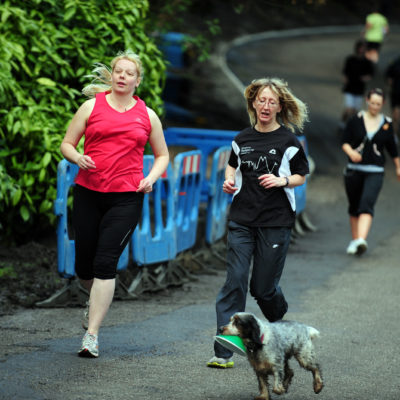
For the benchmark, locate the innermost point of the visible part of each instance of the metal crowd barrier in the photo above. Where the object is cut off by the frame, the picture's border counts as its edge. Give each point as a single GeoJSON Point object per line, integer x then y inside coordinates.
{"type": "Point", "coordinates": [218, 201]}
{"type": "Point", "coordinates": [188, 181]}
{"type": "Point", "coordinates": [154, 242]}
{"type": "Point", "coordinates": [206, 140]}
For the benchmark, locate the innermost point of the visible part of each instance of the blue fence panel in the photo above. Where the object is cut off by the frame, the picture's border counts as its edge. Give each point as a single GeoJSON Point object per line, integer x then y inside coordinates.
{"type": "Point", "coordinates": [66, 173]}
{"type": "Point", "coordinates": [188, 180]}
{"type": "Point", "coordinates": [154, 239]}
{"type": "Point", "coordinates": [206, 140]}
{"type": "Point", "coordinates": [217, 207]}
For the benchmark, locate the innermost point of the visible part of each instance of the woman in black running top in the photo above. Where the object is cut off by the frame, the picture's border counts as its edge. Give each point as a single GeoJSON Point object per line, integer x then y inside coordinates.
{"type": "Point", "coordinates": [267, 161]}
{"type": "Point", "coordinates": [365, 138]}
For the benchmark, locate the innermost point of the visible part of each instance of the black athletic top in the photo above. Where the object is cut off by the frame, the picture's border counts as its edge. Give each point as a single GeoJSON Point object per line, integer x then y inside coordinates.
{"type": "Point", "coordinates": [371, 147]}
{"type": "Point", "coordinates": [257, 153]}
{"type": "Point", "coordinates": [354, 68]}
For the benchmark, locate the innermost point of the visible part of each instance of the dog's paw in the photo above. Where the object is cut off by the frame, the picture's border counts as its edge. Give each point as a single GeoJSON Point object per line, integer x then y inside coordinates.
{"type": "Point", "coordinates": [318, 385]}
{"type": "Point", "coordinates": [279, 389]}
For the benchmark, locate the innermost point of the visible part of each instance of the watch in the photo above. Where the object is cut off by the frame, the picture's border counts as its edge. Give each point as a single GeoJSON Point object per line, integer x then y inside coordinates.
{"type": "Point", "coordinates": [287, 181]}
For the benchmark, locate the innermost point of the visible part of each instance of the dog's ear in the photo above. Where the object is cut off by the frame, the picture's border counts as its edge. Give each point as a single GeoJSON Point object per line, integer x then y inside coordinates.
{"type": "Point", "coordinates": [252, 333]}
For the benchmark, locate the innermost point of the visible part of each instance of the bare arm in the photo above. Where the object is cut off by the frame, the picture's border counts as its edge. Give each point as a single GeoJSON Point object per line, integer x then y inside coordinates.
{"type": "Point", "coordinates": [160, 151]}
{"type": "Point", "coordinates": [229, 183]}
{"type": "Point", "coordinates": [270, 180]}
{"type": "Point", "coordinates": [354, 155]}
{"type": "Point", "coordinates": [74, 134]}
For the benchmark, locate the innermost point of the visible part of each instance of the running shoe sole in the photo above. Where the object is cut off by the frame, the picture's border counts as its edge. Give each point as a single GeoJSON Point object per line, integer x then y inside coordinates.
{"type": "Point", "coordinates": [229, 364]}
{"type": "Point", "coordinates": [85, 353]}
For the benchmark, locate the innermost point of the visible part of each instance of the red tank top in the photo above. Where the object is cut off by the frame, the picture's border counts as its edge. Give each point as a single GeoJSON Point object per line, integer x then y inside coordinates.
{"type": "Point", "coordinates": [115, 141]}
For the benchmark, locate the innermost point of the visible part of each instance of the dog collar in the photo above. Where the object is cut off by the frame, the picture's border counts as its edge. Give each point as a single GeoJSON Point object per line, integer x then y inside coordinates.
{"type": "Point", "coordinates": [262, 338]}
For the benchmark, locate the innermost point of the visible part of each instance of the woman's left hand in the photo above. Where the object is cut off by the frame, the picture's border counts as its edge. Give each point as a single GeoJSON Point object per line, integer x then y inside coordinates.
{"type": "Point", "coordinates": [145, 185]}
{"type": "Point", "coordinates": [270, 180]}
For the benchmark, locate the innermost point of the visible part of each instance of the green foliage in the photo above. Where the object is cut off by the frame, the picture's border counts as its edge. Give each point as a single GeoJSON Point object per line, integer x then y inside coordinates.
{"type": "Point", "coordinates": [7, 272]}
{"type": "Point", "coordinates": [46, 49]}
{"type": "Point", "coordinates": [173, 16]}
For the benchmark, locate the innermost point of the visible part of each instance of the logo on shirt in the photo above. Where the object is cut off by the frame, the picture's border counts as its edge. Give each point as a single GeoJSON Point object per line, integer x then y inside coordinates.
{"type": "Point", "coordinates": [246, 150]}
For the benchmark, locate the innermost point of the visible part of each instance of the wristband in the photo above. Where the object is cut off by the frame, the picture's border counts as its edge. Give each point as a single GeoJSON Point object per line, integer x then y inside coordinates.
{"type": "Point", "coordinates": [287, 181]}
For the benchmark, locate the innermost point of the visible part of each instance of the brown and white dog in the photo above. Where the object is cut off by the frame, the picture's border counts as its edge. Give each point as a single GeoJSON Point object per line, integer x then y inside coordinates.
{"type": "Point", "coordinates": [270, 346]}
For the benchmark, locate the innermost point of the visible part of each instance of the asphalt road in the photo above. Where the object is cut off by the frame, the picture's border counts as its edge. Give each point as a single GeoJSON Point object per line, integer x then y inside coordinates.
{"type": "Point", "coordinates": [157, 347]}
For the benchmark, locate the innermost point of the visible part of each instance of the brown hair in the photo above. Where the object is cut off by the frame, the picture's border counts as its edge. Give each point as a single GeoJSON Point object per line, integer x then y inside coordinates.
{"type": "Point", "coordinates": [377, 91]}
{"type": "Point", "coordinates": [294, 112]}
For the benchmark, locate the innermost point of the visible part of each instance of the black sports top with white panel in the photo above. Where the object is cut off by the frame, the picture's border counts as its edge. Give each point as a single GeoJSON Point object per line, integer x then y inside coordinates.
{"type": "Point", "coordinates": [257, 153]}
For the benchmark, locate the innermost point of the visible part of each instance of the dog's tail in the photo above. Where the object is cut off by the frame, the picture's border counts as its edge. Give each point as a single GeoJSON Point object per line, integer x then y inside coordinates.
{"type": "Point", "coordinates": [312, 332]}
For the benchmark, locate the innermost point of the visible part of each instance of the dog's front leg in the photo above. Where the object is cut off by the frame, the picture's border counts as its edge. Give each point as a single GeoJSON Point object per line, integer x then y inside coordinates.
{"type": "Point", "coordinates": [278, 380]}
{"type": "Point", "coordinates": [262, 385]}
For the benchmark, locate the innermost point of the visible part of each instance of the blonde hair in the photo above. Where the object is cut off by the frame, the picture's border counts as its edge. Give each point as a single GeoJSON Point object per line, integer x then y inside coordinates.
{"type": "Point", "coordinates": [294, 112]}
{"type": "Point", "coordinates": [101, 74]}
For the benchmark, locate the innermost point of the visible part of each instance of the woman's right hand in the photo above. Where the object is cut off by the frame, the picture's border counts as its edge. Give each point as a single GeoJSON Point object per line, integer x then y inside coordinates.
{"type": "Point", "coordinates": [229, 186]}
{"type": "Point", "coordinates": [85, 162]}
{"type": "Point", "coordinates": [355, 156]}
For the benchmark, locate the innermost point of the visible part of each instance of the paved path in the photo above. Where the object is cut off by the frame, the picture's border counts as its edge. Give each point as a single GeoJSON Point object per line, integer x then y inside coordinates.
{"type": "Point", "coordinates": [156, 347]}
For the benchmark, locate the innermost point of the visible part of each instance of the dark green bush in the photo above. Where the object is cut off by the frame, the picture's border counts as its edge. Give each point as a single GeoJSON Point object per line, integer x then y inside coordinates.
{"type": "Point", "coordinates": [46, 48]}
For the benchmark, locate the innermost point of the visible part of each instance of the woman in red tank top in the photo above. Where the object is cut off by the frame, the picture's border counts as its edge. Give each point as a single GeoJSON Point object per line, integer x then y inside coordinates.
{"type": "Point", "coordinates": [110, 185]}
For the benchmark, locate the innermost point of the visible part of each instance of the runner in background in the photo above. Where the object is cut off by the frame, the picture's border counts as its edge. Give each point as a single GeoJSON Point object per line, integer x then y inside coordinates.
{"type": "Point", "coordinates": [357, 71]}
{"type": "Point", "coordinates": [375, 29]}
{"type": "Point", "coordinates": [392, 76]}
{"type": "Point", "coordinates": [365, 138]}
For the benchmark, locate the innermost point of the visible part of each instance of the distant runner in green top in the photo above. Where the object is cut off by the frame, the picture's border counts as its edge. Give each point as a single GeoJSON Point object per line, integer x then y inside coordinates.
{"type": "Point", "coordinates": [375, 30]}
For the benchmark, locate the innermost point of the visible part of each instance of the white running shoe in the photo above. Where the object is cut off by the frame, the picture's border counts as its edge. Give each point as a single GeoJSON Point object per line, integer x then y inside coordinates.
{"type": "Point", "coordinates": [352, 247]}
{"type": "Point", "coordinates": [362, 246]}
{"type": "Point", "coordinates": [90, 346]}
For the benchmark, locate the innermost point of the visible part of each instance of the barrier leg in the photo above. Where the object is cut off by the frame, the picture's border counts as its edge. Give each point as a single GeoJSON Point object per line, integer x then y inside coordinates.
{"type": "Point", "coordinates": [178, 274]}
{"type": "Point", "coordinates": [159, 274]}
{"type": "Point", "coordinates": [148, 281]}
{"type": "Point", "coordinates": [298, 229]}
{"type": "Point", "coordinates": [122, 292]}
{"type": "Point", "coordinates": [204, 261]}
{"type": "Point", "coordinates": [306, 223]}
{"type": "Point", "coordinates": [72, 294]}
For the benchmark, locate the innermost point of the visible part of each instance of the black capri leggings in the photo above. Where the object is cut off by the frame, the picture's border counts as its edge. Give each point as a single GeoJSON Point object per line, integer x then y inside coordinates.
{"type": "Point", "coordinates": [362, 189]}
{"type": "Point", "coordinates": [103, 224]}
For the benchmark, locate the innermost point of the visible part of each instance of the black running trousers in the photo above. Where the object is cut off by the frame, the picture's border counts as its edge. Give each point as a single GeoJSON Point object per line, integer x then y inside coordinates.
{"type": "Point", "coordinates": [103, 225]}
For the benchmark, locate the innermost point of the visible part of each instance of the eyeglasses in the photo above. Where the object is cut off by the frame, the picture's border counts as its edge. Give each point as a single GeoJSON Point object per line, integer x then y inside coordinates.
{"type": "Point", "coordinates": [270, 103]}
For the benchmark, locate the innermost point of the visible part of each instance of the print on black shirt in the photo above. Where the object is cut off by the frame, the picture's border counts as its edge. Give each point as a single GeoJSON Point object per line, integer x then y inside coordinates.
{"type": "Point", "coordinates": [254, 154]}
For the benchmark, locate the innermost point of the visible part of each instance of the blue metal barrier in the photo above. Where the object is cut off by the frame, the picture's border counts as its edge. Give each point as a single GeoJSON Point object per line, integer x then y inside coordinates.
{"type": "Point", "coordinates": [154, 239]}
{"type": "Point", "coordinates": [66, 173]}
{"type": "Point", "coordinates": [217, 206]}
{"type": "Point", "coordinates": [206, 140]}
{"type": "Point", "coordinates": [188, 180]}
